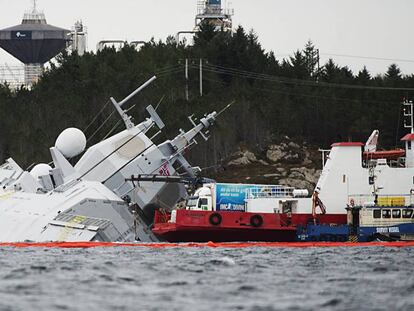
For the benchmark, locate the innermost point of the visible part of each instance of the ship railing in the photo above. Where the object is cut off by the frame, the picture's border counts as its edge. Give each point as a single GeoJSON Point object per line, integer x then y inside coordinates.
{"type": "Point", "coordinates": [381, 200]}
{"type": "Point", "coordinates": [400, 162]}
{"type": "Point", "coordinates": [397, 163]}
{"type": "Point", "coordinates": [269, 192]}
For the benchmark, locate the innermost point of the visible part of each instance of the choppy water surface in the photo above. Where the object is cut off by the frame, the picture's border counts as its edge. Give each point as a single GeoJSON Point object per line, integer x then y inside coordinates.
{"type": "Point", "coordinates": [207, 279]}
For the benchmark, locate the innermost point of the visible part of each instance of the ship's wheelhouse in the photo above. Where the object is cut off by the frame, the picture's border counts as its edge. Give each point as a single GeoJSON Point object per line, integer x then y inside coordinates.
{"type": "Point", "coordinates": [385, 215]}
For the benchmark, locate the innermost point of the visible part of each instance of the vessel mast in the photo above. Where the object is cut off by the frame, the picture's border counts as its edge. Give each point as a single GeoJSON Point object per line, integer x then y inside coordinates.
{"type": "Point", "coordinates": [409, 138]}
{"type": "Point", "coordinates": [408, 115]}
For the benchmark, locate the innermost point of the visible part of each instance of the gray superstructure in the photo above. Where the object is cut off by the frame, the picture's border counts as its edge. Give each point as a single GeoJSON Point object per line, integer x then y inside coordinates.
{"type": "Point", "coordinates": [92, 200]}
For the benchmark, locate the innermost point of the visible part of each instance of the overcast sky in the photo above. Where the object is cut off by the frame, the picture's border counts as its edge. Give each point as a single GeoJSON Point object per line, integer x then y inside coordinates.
{"type": "Point", "coordinates": [368, 28]}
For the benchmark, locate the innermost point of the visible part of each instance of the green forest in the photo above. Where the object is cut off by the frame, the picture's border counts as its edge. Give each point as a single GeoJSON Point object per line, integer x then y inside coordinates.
{"type": "Point", "coordinates": [296, 96]}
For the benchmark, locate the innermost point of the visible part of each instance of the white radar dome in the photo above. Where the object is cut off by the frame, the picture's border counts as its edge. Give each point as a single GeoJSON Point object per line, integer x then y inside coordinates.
{"type": "Point", "coordinates": [71, 142]}
{"type": "Point", "coordinates": [41, 169]}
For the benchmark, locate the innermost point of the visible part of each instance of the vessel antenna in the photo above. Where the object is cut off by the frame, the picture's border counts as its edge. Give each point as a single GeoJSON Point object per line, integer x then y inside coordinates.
{"type": "Point", "coordinates": [225, 108]}
{"type": "Point", "coordinates": [409, 114]}
{"type": "Point", "coordinates": [118, 106]}
{"type": "Point", "coordinates": [34, 5]}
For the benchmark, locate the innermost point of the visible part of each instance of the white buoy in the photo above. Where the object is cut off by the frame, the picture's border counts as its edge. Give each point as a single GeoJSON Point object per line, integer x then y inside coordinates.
{"type": "Point", "coordinates": [71, 142]}
{"type": "Point", "coordinates": [40, 169]}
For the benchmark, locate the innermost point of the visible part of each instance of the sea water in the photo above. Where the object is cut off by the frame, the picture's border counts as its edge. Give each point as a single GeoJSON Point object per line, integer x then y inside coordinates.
{"type": "Point", "coordinates": [137, 278]}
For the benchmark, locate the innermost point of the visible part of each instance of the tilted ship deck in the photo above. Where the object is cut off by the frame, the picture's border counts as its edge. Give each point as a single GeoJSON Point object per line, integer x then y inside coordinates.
{"type": "Point", "coordinates": [92, 201]}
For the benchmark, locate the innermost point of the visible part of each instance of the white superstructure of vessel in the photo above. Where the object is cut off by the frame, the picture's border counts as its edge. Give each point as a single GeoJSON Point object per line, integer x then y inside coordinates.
{"type": "Point", "coordinates": [92, 200]}
{"type": "Point", "coordinates": [355, 171]}
{"type": "Point", "coordinates": [352, 174]}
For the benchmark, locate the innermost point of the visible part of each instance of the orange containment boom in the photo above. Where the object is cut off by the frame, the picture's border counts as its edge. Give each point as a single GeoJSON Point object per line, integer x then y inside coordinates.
{"type": "Point", "coordinates": [209, 244]}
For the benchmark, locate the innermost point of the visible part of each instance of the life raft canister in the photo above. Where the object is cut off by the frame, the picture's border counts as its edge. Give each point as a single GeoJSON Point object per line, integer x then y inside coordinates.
{"type": "Point", "coordinates": [215, 219]}
{"type": "Point", "coordinates": [256, 221]}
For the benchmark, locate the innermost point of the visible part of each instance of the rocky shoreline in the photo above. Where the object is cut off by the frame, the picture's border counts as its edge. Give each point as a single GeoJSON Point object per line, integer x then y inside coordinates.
{"type": "Point", "coordinates": [284, 163]}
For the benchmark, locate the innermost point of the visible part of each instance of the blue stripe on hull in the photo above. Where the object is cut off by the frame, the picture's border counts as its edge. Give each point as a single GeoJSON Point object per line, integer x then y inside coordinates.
{"type": "Point", "coordinates": [342, 232]}
{"type": "Point", "coordinates": [322, 233]}
{"type": "Point", "coordinates": [368, 233]}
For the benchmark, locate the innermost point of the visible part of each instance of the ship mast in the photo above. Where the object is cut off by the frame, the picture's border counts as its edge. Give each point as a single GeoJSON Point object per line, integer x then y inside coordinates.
{"type": "Point", "coordinates": [408, 115]}
{"type": "Point", "coordinates": [409, 138]}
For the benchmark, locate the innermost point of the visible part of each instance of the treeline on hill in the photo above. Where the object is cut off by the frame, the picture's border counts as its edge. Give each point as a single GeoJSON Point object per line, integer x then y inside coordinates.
{"type": "Point", "coordinates": [272, 98]}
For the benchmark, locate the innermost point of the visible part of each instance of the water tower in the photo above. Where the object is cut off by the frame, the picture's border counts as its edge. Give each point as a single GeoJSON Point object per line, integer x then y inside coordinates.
{"type": "Point", "coordinates": [34, 42]}
{"type": "Point", "coordinates": [213, 12]}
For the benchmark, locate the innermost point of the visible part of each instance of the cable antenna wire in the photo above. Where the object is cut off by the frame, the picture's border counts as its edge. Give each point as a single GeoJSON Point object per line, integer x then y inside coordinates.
{"type": "Point", "coordinates": [278, 79]}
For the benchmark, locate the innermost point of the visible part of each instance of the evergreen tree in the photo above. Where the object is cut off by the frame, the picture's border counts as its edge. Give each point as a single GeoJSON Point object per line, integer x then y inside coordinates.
{"type": "Point", "coordinates": [330, 71]}
{"type": "Point", "coordinates": [393, 72]}
{"type": "Point", "coordinates": [273, 98]}
{"type": "Point", "coordinates": [312, 59]}
{"type": "Point", "coordinates": [299, 66]}
{"type": "Point", "coordinates": [206, 34]}
{"type": "Point", "coordinates": [363, 77]}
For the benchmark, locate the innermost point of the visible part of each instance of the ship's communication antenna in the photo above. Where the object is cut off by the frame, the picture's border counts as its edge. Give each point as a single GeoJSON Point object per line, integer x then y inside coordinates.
{"type": "Point", "coordinates": [408, 115]}
{"type": "Point", "coordinates": [155, 117]}
{"type": "Point", "coordinates": [125, 117]}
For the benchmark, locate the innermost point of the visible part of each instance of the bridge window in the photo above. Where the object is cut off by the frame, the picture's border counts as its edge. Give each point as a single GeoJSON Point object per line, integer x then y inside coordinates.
{"type": "Point", "coordinates": [407, 213]}
{"type": "Point", "coordinates": [386, 213]}
{"type": "Point", "coordinates": [377, 213]}
{"type": "Point", "coordinates": [396, 213]}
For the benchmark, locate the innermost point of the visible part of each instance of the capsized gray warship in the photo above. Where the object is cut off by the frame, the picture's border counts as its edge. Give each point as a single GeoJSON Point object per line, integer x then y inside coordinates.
{"type": "Point", "coordinates": [92, 200]}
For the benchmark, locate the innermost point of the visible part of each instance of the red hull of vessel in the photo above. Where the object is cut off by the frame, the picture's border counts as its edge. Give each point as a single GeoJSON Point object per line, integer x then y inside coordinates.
{"type": "Point", "coordinates": [177, 233]}
{"type": "Point", "coordinates": [196, 226]}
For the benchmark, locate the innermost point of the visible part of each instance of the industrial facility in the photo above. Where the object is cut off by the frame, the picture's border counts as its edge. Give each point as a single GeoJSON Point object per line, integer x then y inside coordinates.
{"type": "Point", "coordinates": [34, 42]}
{"type": "Point", "coordinates": [215, 13]}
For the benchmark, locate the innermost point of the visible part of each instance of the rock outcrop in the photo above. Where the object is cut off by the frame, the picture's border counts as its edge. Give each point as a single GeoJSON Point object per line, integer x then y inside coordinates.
{"type": "Point", "coordinates": [242, 158]}
{"type": "Point", "coordinates": [288, 153]}
{"type": "Point", "coordinates": [301, 178]}
{"type": "Point", "coordinates": [287, 163]}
